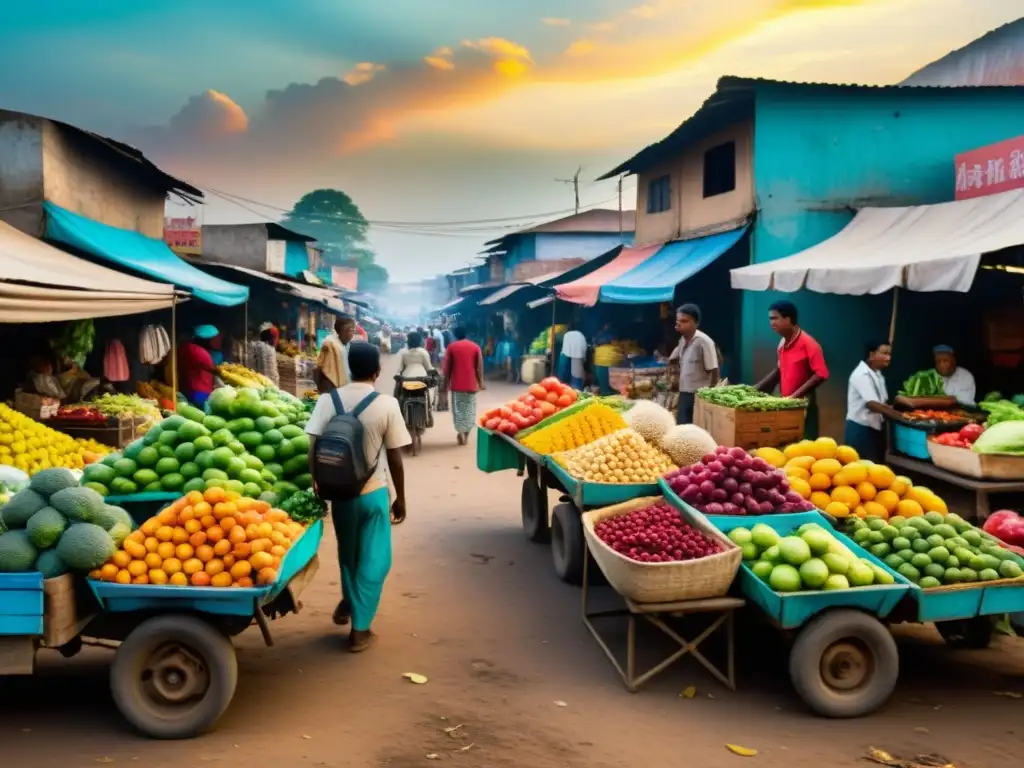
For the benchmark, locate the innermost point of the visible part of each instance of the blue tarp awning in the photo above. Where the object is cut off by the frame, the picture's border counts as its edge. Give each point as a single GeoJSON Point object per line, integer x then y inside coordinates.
{"type": "Point", "coordinates": [126, 248]}
{"type": "Point", "coordinates": [655, 279]}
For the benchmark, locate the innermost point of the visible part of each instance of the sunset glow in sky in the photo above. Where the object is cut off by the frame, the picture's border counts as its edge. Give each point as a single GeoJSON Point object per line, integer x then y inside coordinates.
{"type": "Point", "coordinates": [434, 110]}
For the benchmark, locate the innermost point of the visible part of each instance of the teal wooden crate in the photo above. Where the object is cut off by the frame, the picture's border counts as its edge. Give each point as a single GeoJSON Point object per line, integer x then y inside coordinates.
{"type": "Point", "coordinates": [494, 454]}
{"type": "Point", "coordinates": [793, 609]}
{"type": "Point", "coordinates": [21, 604]}
{"type": "Point", "coordinates": [910, 441]}
{"type": "Point", "coordinates": [227, 601]}
{"type": "Point", "coordinates": [967, 602]}
{"type": "Point", "coordinates": [593, 495]}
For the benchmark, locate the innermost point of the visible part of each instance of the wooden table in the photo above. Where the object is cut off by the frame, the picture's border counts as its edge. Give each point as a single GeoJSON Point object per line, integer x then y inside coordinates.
{"type": "Point", "coordinates": [656, 613]}
{"type": "Point", "coordinates": [981, 488]}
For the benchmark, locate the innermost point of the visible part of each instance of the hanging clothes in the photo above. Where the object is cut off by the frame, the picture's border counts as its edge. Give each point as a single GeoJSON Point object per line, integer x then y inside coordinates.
{"type": "Point", "coordinates": [115, 362]}
{"type": "Point", "coordinates": [154, 344]}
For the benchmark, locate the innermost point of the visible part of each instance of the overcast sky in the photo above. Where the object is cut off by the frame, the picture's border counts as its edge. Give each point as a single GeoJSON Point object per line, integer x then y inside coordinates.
{"type": "Point", "coordinates": [439, 110]}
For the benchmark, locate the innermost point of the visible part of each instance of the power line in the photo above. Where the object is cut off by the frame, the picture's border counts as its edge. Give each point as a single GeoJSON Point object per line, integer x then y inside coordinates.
{"type": "Point", "coordinates": [575, 181]}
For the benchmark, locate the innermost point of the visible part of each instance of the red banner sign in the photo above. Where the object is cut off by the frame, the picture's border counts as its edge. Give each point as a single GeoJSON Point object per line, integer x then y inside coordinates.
{"type": "Point", "coordinates": [183, 236]}
{"type": "Point", "coordinates": [989, 170]}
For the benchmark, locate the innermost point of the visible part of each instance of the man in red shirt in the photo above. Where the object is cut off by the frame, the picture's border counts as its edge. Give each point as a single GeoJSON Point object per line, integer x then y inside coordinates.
{"type": "Point", "coordinates": [463, 369]}
{"type": "Point", "coordinates": [801, 365]}
{"type": "Point", "coordinates": [195, 365]}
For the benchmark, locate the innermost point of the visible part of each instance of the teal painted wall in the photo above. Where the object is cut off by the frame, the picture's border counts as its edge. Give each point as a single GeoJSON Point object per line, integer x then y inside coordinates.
{"type": "Point", "coordinates": [817, 151]}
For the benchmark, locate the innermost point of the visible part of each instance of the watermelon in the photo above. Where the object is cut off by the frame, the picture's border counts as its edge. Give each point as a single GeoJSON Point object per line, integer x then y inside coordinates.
{"type": "Point", "coordinates": [167, 466]}
{"type": "Point", "coordinates": [213, 423]}
{"type": "Point", "coordinates": [238, 426]}
{"type": "Point", "coordinates": [125, 467]}
{"type": "Point", "coordinates": [296, 465]}
{"type": "Point", "coordinates": [220, 401]}
{"type": "Point", "coordinates": [190, 431]}
{"type": "Point", "coordinates": [79, 505]}
{"type": "Point", "coordinates": [264, 452]}
{"type": "Point", "coordinates": [290, 430]}
{"type": "Point", "coordinates": [250, 439]}
{"type": "Point", "coordinates": [168, 437]}
{"type": "Point", "coordinates": [171, 423]}
{"type": "Point", "coordinates": [50, 565]}
{"type": "Point", "coordinates": [45, 527]}
{"type": "Point", "coordinates": [204, 460]}
{"type": "Point", "coordinates": [145, 476]}
{"type": "Point", "coordinates": [17, 554]}
{"type": "Point", "coordinates": [189, 470]}
{"type": "Point", "coordinates": [264, 423]}
{"type": "Point", "coordinates": [300, 443]}
{"type": "Point", "coordinates": [48, 481]}
{"type": "Point", "coordinates": [185, 452]}
{"type": "Point", "coordinates": [172, 481]}
{"type": "Point", "coordinates": [148, 457]}
{"type": "Point", "coordinates": [85, 547]}
{"type": "Point", "coordinates": [273, 437]}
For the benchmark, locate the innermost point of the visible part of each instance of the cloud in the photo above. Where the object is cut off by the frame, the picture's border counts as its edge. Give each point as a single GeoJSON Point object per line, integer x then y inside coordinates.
{"type": "Point", "coordinates": [373, 102]}
{"type": "Point", "coordinates": [550, 21]}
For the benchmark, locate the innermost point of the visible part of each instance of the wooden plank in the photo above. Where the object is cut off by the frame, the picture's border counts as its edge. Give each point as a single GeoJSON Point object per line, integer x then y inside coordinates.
{"type": "Point", "coordinates": [971, 484]}
{"type": "Point", "coordinates": [61, 622]}
{"type": "Point", "coordinates": [17, 656]}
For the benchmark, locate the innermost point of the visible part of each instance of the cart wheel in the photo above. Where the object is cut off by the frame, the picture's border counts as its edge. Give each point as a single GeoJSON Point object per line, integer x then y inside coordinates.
{"type": "Point", "coordinates": [967, 634]}
{"type": "Point", "coordinates": [567, 550]}
{"type": "Point", "coordinates": [174, 676]}
{"type": "Point", "coordinates": [844, 663]}
{"type": "Point", "coordinates": [535, 512]}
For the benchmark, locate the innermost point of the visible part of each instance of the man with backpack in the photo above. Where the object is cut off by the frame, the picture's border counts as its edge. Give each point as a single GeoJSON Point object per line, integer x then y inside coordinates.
{"type": "Point", "coordinates": [356, 437]}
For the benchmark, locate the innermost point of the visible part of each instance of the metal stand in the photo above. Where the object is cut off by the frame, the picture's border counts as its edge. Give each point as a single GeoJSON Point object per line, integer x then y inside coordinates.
{"type": "Point", "coordinates": [653, 613]}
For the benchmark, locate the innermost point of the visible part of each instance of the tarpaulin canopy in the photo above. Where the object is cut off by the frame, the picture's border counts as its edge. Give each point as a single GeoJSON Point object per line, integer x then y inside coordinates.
{"type": "Point", "coordinates": [587, 289]}
{"type": "Point", "coordinates": [137, 252]}
{"type": "Point", "coordinates": [920, 248]}
{"type": "Point", "coordinates": [655, 279]}
{"type": "Point", "coordinates": [508, 290]}
{"type": "Point", "coordinates": [311, 293]}
{"type": "Point", "coordinates": [40, 283]}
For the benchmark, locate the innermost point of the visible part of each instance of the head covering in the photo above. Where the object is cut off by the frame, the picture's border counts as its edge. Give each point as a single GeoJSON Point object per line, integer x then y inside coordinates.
{"type": "Point", "coordinates": [943, 349]}
{"type": "Point", "coordinates": [206, 332]}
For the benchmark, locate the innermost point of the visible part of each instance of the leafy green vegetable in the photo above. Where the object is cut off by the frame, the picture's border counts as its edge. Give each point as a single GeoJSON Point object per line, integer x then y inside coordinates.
{"type": "Point", "coordinates": [1001, 410]}
{"type": "Point", "coordinates": [744, 397]}
{"type": "Point", "coordinates": [304, 506]}
{"type": "Point", "coordinates": [924, 384]}
{"type": "Point", "coordinates": [1007, 437]}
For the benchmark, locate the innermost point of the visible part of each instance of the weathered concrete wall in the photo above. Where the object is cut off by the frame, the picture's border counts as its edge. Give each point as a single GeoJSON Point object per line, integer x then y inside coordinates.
{"type": "Point", "coordinates": [21, 171]}
{"type": "Point", "coordinates": [691, 211]}
{"type": "Point", "coordinates": [244, 245]}
{"type": "Point", "coordinates": [79, 180]}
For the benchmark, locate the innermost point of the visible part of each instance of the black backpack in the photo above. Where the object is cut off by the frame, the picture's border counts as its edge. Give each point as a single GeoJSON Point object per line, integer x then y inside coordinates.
{"type": "Point", "coordinates": [340, 465]}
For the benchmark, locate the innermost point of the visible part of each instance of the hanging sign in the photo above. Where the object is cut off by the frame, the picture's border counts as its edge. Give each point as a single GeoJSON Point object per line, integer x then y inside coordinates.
{"type": "Point", "coordinates": [183, 236]}
{"type": "Point", "coordinates": [990, 170]}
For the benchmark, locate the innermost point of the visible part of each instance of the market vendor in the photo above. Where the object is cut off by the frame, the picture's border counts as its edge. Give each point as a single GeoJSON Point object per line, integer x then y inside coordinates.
{"type": "Point", "coordinates": [801, 367]}
{"type": "Point", "coordinates": [865, 394]}
{"type": "Point", "coordinates": [698, 360]}
{"type": "Point", "coordinates": [957, 381]}
{"type": "Point", "coordinates": [332, 364]}
{"type": "Point", "coordinates": [263, 355]}
{"type": "Point", "coordinates": [195, 365]}
{"type": "Point", "coordinates": [573, 358]}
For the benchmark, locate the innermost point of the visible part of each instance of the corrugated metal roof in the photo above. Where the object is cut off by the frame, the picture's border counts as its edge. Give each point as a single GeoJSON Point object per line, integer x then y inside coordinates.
{"type": "Point", "coordinates": [733, 102]}
{"type": "Point", "coordinates": [594, 221]}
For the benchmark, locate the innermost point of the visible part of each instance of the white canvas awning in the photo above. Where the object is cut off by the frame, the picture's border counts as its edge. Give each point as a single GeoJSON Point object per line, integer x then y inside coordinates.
{"type": "Point", "coordinates": [40, 283]}
{"type": "Point", "coordinates": [920, 248]}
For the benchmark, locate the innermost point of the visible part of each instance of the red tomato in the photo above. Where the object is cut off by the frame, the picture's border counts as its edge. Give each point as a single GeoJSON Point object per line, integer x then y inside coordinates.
{"type": "Point", "coordinates": [547, 408]}
{"type": "Point", "coordinates": [564, 401]}
{"type": "Point", "coordinates": [552, 397]}
{"type": "Point", "coordinates": [551, 383]}
{"type": "Point", "coordinates": [538, 414]}
{"type": "Point", "coordinates": [493, 423]}
{"type": "Point", "coordinates": [507, 427]}
{"type": "Point", "coordinates": [504, 411]}
{"type": "Point", "coordinates": [538, 391]}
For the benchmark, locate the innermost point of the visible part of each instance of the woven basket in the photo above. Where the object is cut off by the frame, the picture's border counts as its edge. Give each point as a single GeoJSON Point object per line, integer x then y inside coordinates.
{"type": "Point", "coordinates": [662, 582]}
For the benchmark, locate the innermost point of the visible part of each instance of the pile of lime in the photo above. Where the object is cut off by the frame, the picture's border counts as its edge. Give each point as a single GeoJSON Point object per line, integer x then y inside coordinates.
{"type": "Point", "coordinates": [936, 550]}
{"type": "Point", "coordinates": [251, 442]}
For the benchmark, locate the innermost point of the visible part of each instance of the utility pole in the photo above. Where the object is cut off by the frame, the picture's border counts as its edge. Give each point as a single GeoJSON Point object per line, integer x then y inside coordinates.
{"type": "Point", "coordinates": [621, 239]}
{"type": "Point", "coordinates": [575, 181]}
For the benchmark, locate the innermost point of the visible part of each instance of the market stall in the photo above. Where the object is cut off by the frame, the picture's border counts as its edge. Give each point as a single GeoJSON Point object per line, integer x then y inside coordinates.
{"type": "Point", "coordinates": [171, 591]}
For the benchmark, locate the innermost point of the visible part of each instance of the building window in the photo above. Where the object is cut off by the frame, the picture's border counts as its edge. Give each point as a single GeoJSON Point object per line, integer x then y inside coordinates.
{"type": "Point", "coordinates": [720, 169]}
{"type": "Point", "coordinates": [659, 194]}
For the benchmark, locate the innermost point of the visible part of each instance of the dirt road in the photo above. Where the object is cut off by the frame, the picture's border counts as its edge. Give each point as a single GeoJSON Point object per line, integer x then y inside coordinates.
{"type": "Point", "coordinates": [514, 677]}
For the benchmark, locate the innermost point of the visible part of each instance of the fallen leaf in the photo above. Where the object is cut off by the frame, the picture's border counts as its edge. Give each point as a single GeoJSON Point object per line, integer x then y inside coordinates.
{"type": "Point", "coordinates": [415, 678]}
{"type": "Point", "coordinates": [453, 731]}
{"type": "Point", "coordinates": [736, 749]}
{"type": "Point", "coordinates": [561, 704]}
{"type": "Point", "coordinates": [306, 736]}
{"type": "Point", "coordinates": [688, 692]}
{"type": "Point", "coordinates": [467, 747]}
{"type": "Point", "coordinates": [433, 756]}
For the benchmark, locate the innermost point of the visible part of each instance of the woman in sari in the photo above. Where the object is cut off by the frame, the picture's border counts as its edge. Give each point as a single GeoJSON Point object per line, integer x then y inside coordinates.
{"type": "Point", "coordinates": [463, 377]}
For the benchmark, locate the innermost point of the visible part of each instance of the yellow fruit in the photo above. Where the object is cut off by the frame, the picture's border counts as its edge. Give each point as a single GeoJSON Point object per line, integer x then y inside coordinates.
{"type": "Point", "coordinates": [825, 448]}
{"type": "Point", "coordinates": [157, 576]}
{"type": "Point", "coordinates": [819, 481]}
{"type": "Point", "coordinates": [935, 504]}
{"type": "Point", "coordinates": [121, 559]}
{"type": "Point", "coordinates": [909, 508]}
{"type": "Point", "coordinates": [820, 499]}
{"type": "Point", "coordinates": [178, 579]}
{"type": "Point", "coordinates": [860, 512]}
{"type": "Point", "coordinates": [888, 500]}
{"type": "Point", "coordinates": [855, 473]}
{"type": "Point", "coordinates": [192, 565]}
{"type": "Point", "coordinates": [826, 466]}
{"type": "Point", "coordinates": [773, 456]}
{"type": "Point", "coordinates": [153, 560]}
{"type": "Point", "coordinates": [165, 549]}
{"type": "Point", "coordinates": [123, 577]}
{"type": "Point", "coordinates": [803, 474]}
{"type": "Point", "coordinates": [837, 509]}
{"type": "Point", "coordinates": [171, 566]}
{"type": "Point", "coordinates": [803, 462]}
{"type": "Point", "coordinates": [866, 491]}
{"type": "Point", "coordinates": [222, 579]}
{"type": "Point", "coordinates": [109, 572]}
{"type": "Point", "coordinates": [801, 448]}
{"type": "Point", "coordinates": [134, 548]}
{"type": "Point", "coordinates": [846, 495]}
{"type": "Point", "coordinates": [800, 486]}
{"type": "Point", "coordinates": [880, 476]}
{"type": "Point", "coordinates": [840, 479]}
{"type": "Point", "coordinates": [847, 454]}
{"type": "Point", "coordinates": [900, 485]}
{"type": "Point", "coordinates": [920, 494]}
{"type": "Point", "coordinates": [137, 568]}
{"type": "Point", "coordinates": [874, 509]}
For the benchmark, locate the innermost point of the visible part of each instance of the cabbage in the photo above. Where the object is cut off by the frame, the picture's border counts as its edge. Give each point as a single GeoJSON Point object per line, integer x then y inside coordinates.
{"type": "Point", "coordinates": [1007, 437]}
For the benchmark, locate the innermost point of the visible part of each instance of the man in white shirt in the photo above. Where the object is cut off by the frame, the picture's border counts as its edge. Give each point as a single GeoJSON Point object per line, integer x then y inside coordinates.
{"type": "Point", "coordinates": [957, 382]}
{"type": "Point", "coordinates": [363, 525]}
{"type": "Point", "coordinates": [574, 347]}
{"type": "Point", "coordinates": [866, 391]}
{"type": "Point", "coordinates": [697, 354]}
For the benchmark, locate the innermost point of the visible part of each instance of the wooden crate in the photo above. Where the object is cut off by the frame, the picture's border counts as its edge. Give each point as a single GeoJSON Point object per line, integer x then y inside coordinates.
{"type": "Point", "coordinates": [964, 461]}
{"type": "Point", "coordinates": [35, 406]}
{"type": "Point", "coordinates": [749, 429]}
{"type": "Point", "coordinates": [64, 611]}
{"type": "Point", "coordinates": [116, 433]}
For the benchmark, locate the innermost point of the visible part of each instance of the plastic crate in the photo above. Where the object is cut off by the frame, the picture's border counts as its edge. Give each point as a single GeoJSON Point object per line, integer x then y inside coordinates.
{"type": "Point", "coordinates": [21, 604]}
{"type": "Point", "coordinates": [494, 453]}
{"type": "Point", "coordinates": [911, 442]}
{"type": "Point", "coordinates": [793, 609]}
{"type": "Point", "coordinates": [591, 495]}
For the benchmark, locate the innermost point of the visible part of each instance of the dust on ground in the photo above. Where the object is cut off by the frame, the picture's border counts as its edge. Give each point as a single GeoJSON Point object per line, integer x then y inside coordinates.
{"type": "Point", "coordinates": [514, 678]}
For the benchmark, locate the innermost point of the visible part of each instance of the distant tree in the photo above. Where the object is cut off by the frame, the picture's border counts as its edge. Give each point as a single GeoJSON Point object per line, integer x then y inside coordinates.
{"type": "Point", "coordinates": [333, 218]}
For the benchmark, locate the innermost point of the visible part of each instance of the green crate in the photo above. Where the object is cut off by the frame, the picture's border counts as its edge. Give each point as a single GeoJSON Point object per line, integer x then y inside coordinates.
{"type": "Point", "coordinates": [494, 453]}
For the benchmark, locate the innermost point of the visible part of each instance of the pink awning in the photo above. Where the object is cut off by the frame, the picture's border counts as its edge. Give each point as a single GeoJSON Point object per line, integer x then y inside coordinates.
{"type": "Point", "coordinates": [586, 290]}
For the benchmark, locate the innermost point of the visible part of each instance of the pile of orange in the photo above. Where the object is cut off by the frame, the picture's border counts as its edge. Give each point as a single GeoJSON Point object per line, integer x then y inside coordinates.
{"type": "Point", "coordinates": [835, 479]}
{"type": "Point", "coordinates": [215, 538]}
